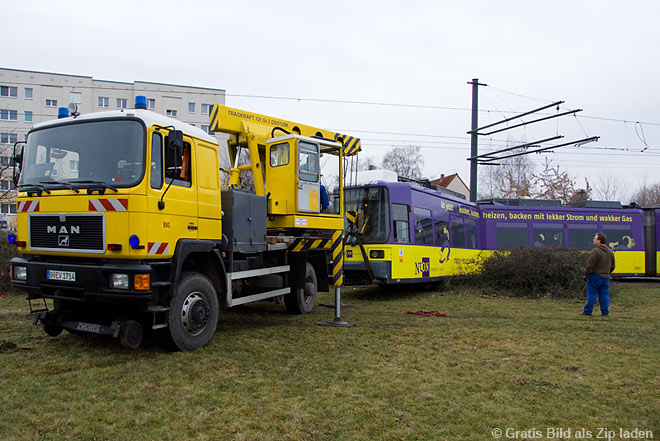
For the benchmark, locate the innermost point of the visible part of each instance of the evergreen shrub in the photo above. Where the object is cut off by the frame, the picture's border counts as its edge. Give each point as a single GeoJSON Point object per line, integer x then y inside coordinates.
{"type": "Point", "coordinates": [533, 272]}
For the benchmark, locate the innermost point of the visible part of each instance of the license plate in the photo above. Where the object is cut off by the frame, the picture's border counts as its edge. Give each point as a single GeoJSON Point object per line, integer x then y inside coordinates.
{"type": "Point", "coordinates": [88, 327]}
{"type": "Point", "coordinates": [67, 276]}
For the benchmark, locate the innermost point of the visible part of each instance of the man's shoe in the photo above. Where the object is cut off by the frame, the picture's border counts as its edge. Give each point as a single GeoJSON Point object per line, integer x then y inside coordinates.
{"type": "Point", "coordinates": [584, 313]}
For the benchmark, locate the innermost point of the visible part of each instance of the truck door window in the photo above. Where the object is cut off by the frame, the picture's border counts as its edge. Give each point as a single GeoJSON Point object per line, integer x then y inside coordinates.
{"type": "Point", "coordinates": [308, 162]}
{"type": "Point", "coordinates": [279, 154]}
{"type": "Point", "coordinates": [156, 161]}
{"type": "Point", "coordinates": [180, 176]}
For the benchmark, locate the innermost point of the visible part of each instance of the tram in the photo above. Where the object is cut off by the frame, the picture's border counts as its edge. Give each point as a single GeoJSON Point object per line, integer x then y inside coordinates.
{"type": "Point", "coordinates": [404, 232]}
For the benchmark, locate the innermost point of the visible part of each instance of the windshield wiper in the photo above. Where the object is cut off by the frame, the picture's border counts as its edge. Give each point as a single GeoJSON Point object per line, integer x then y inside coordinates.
{"type": "Point", "coordinates": [99, 186]}
{"type": "Point", "coordinates": [33, 188]}
{"type": "Point", "coordinates": [63, 184]}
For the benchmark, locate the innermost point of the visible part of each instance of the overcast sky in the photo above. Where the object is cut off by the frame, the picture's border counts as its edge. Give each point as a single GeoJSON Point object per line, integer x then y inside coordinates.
{"type": "Point", "coordinates": [411, 60]}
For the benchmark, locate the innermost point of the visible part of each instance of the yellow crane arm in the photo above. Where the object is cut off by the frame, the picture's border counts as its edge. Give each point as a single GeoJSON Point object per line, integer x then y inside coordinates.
{"type": "Point", "coordinates": [240, 122]}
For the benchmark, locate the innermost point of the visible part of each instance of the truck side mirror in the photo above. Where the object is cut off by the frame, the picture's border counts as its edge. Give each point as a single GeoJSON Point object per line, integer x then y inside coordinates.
{"type": "Point", "coordinates": [17, 162]}
{"type": "Point", "coordinates": [174, 143]}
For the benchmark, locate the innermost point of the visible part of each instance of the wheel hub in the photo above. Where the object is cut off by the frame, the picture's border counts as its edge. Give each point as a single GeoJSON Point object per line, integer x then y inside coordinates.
{"type": "Point", "coordinates": [195, 313]}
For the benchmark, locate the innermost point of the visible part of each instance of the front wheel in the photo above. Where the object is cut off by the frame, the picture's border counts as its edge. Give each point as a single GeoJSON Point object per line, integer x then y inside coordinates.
{"type": "Point", "coordinates": [302, 301]}
{"type": "Point", "coordinates": [193, 315]}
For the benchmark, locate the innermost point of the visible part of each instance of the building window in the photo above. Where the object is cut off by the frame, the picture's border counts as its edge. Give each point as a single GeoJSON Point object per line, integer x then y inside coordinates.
{"type": "Point", "coordinates": [151, 103]}
{"type": "Point", "coordinates": [206, 129]}
{"type": "Point", "coordinates": [171, 113]}
{"type": "Point", "coordinates": [191, 107]}
{"type": "Point", "coordinates": [28, 93]}
{"type": "Point", "coordinates": [28, 116]}
{"type": "Point", "coordinates": [8, 115]}
{"type": "Point", "coordinates": [4, 185]}
{"type": "Point", "coordinates": [206, 109]}
{"type": "Point", "coordinates": [122, 103]}
{"type": "Point", "coordinates": [73, 165]}
{"type": "Point", "coordinates": [8, 138]}
{"type": "Point", "coordinates": [9, 208]}
{"type": "Point", "coordinates": [9, 91]}
{"type": "Point", "coordinates": [5, 161]}
{"type": "Point", "coordinates": [104, 101]}
{"type": "Point", "coordinates": [75, 97]}
{"type": "Point", "coordinates": [51, 103]}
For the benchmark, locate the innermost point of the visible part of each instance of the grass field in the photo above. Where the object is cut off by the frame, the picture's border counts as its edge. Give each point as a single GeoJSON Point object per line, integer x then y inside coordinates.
{"type": "Point", "coordinates": [491, 363]}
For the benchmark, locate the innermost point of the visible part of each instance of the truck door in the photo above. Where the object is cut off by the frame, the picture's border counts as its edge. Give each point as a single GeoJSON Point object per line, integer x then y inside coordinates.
{"type": "Point", "coordinates": [281, 176]}
{"type": "Point", "coordinates": [172, 181]}
{"type": "Point", "coordinates": [309, 177]}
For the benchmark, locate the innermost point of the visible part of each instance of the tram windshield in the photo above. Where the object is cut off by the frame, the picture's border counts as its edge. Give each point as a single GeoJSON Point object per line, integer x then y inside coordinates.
{"type": "Point", "coordinates": [373, 216]}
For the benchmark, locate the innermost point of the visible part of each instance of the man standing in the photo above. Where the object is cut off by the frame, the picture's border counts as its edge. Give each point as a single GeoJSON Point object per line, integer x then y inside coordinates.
{"type": "Point", "coordinates": [598, 269]}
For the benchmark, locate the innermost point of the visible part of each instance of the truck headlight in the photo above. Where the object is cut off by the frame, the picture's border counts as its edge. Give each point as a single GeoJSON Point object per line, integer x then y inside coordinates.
{"type": "Point", "coordinates": [119, 281]}
{"type": "Point", "coordinates": [20, 273]}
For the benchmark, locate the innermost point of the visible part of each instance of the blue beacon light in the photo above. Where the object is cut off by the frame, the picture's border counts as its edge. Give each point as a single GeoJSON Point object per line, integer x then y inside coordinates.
{"type": "Point", "coordinates": [11, 237]}
{"type": "Point", "coordinates": [63, 112]}
{"type": "Point", "coordinates": [140, 102]}
{"type": "Point", "coordinates": [134, 241]}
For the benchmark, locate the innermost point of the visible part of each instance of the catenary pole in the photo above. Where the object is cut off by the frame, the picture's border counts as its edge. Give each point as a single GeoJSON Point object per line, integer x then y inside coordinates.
{"type": "Point", "coordinates": [473, 134]}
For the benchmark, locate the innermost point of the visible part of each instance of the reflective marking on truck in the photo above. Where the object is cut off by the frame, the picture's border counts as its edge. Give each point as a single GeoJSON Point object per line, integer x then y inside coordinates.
{"type": "Point", "coordinates": [108, 205]}
{"type": "Point", "coordinates": [27, 206]}
{"type": "Point", "coordinates": [158, 248]}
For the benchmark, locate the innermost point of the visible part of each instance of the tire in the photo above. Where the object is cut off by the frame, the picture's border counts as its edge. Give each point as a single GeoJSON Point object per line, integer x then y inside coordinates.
{"type": "Point", "coordinates": [302, 301]}
{"type": "Point", "coordinates": [193, 315]}
{"type": "Point", "coordinates": [52, 323]}
{"type": "Point", "coordinates": [52, 330]}
{"type": "Point", "coordinates": [131, 334]}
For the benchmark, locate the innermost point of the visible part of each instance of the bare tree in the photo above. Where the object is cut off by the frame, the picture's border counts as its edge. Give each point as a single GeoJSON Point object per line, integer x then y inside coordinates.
{"type": "Point", "coordinates": [511, 179]}
{"type": "Point", "coordinates": [366, 163]}
{"type": "Point", "coordinates": [647, 195]}
{"type": "Point", "coordinates": [405, 161]}
{"type": "Point", "coordinates": [611, 187]}
{"type": "Point", "coordinates": [552, 183]}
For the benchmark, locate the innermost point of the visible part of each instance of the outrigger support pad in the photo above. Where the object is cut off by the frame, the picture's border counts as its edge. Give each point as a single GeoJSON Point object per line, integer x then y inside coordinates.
{"type": "Point", "coordinates": [337, 322]}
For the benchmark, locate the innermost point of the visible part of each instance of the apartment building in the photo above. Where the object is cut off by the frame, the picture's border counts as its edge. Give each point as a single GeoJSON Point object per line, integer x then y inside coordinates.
{"type": "Point", "coordinates": [29, 97]}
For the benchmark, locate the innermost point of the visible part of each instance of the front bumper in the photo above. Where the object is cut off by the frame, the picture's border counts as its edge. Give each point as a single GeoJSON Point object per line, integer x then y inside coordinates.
{"type": "Point", "coordinates": [92, 280]}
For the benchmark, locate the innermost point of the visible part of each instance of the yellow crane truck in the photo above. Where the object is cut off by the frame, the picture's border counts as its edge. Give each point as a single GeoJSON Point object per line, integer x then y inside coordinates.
{"type": "Point", "coordinates": [127, 221]}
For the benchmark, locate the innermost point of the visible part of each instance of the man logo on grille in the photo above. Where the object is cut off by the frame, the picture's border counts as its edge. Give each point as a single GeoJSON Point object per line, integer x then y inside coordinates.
{"type": "Point", "coordinates": [63, 241]}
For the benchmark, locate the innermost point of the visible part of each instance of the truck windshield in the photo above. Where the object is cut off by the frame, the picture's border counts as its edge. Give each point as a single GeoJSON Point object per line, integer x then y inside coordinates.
{"type": "Point", "coordinates": [371, 205]}
{"type": "Point", "coordinates": [108, 153]}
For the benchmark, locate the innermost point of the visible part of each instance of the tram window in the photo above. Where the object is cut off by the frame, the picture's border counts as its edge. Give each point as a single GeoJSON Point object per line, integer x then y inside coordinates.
{"type": "Point", "coordinates": [512, 235]}
{"type": "Point", "coordinates": [423, 227]}
{"type": "Point", "coordinates": [619, 237]}
{"type": "Point", "coordinates": [581, 236]}
{"type": "Point", "coordinates": [471, 234]}
{"type": "Point", "coordinates": [401, 226]}
{"type": "Point", "coordinates": [441, 225]}
{"type": "Point", "coordinates": [457, 233]}
{"type": "Point", "coordinates": [548, 235]}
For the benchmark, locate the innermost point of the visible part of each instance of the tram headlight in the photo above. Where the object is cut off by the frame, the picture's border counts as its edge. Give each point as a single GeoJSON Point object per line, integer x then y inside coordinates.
{"type": "Point", "coordinates": [377, 254]}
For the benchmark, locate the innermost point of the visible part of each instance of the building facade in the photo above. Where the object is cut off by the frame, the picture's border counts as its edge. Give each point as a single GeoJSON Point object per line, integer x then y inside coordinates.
{"type": "Point", "coordinates": [30, 97]}
{"type": "Point", "coordinates": [454, 183]}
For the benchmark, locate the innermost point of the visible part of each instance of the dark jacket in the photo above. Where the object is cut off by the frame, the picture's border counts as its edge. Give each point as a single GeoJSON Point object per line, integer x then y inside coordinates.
{"type": "Point", "coordinates": [601, 261]}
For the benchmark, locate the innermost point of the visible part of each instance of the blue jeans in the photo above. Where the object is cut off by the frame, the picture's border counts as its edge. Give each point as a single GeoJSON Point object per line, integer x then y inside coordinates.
{"type": "Point", "coordinates": [598, 288]}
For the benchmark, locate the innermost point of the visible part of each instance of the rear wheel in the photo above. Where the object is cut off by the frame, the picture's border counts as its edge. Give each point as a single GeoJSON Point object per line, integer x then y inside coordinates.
{"type": "Point", "coordinates": [193, 315]}
{"type": "Point", "coordinates": [302, 301]}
